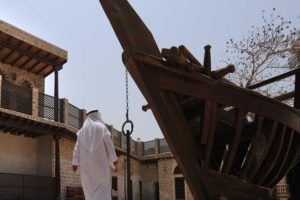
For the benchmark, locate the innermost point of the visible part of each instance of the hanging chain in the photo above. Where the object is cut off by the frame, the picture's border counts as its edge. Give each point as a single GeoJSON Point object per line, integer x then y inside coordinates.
{"type": "Point", "coordinates": [129, 131]}
{"type": "Point", "coordinates": [127, 100]}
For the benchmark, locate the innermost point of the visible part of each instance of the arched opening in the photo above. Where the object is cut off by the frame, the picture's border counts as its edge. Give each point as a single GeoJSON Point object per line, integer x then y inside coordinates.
{"type": "Point", "coordinates": [26, 84]}
{"type": "Point", "coordinates": [179, 184]}
{"type": "Point", "coordinates": [3, 75]}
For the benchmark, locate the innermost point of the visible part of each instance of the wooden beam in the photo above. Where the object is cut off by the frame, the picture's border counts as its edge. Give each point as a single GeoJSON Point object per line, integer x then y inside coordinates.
{"type": "Point", "coordinates": [274, 79]}
{"type": "Point", "coordinates": [282, 158]}
{"type": "Point", "coordinates": [203, 87]}
{"type": "Point", "coordinates": [270, 140]}
{"type": "Point", "coordinates": [272, 156]}
{"type": "Point", "coordinates": [297, 91]}
{"type": "Point", "coordinates": [286, 96]}
{"type": "Point", "coordinates": [20, 56]}
{"type": "Point", "coordinates": [43, 68]}
{"type": "Point", "coordinates": [233, 147]}
{"type": "Point", "coordinates": [255, 144]}
{"type": "Point", "coordinates": [29, 59]}
{"type": "Point", "coordinates": [129, 28]}
{"type": "Point", "coordinates": [35, 57]}
{"type": "Point", "coordinates": [188, 147]}
{"type": "Point", "coordinates": [211, 133]}
{"type": "Point", "coordinates": [12, 51]}
{"type": "Point", "coordinates": [289, 161]}
{"type": "Point", "coordinates": [220, 185]}
{"type": "Point", "coordinates": [16, 123]}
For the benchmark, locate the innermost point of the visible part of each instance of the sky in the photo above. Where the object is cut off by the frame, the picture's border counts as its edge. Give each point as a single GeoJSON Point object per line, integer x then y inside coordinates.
{"type": "Point", "coordinates": [94, 76]}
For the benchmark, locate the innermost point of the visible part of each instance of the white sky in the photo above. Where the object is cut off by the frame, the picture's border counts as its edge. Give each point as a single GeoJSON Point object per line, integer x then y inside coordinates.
{"type": "Point", "coordinates": [94, 77]}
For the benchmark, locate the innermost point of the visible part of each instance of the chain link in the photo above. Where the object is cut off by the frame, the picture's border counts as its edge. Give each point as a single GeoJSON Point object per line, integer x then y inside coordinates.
{"type": "Point", "coordinates": [127, 100]}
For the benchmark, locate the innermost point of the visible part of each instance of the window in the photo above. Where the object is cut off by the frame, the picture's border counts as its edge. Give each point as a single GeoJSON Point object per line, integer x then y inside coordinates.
{"type": "Point", "coordinates": [114, 183]}
{"type": "Point", "coordinates": [179, 184]}
{"type": "Point", "coordinates": [179, 188]}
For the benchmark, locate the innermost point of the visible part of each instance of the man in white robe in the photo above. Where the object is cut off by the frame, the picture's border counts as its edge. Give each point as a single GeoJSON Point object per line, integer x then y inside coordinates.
{"type": "Point", "coordinates": [94, 153]}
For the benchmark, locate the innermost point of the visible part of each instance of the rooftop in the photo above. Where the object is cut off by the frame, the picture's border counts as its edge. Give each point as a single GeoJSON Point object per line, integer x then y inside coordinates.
{"type": "Point", "coordinates": [28, 52]}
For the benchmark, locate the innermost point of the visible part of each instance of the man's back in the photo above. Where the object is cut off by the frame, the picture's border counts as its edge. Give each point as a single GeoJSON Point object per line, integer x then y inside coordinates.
{"type": "Point", "coordinates": [94, 153]}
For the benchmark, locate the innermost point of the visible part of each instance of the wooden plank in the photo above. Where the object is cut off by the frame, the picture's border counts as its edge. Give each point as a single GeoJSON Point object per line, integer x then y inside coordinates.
{"type": "Point", "coordinates": [231, 95]}
{"type": "Point", "coordinates": [281, 161]}
{"type": "Point", "coordinates": [272, 156]}
{"type": "Point", "coordinates": [183, 137]}
{"type": "Point", "coordinates": [129, 28]}
{"type": "Point", "coordinates": [290, 160]}
{"type": "Point", "coordinates": [265, 153]}
{"type": "Point", "coordinates": [173, 126]}
{"type": "Point", "coordinates": [274, 79]}
{"type": "Point", "coordinates": [285, 96]}
{"type": "Point", "coordinates": [211, 132]}
{"type": "Point", "coordinates": [35, 57]}
{"type": "Point", "coordinates": [203, 87]}
{"type": "Point", "coordinates": [297, 90]}
{"type": "Point", "coordinates": [20, 56]}
{"type": "Point", "coordinates": [206, 122]}
{"type": "Point", "coordinates": [218, 185]}
{"type": "Point", "coordinates": [248, 164]}
{"type": "Point", "coordinates": [233, 147]}
{"type": "Point", "coordinates": [189, 55]}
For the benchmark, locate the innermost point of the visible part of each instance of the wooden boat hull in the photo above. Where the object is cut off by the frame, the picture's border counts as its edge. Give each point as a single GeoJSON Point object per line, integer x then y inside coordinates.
{"type": "Point", "coordinates": [228, 141]}
{"type": "Point", "coordinates": [258, 154]}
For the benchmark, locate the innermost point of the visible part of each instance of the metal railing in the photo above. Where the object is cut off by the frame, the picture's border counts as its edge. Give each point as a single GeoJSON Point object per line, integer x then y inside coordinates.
{"type": "Point", "coordinates": [26, 187]}
{"type": "Point", "coordinates": [74, 116]}
{"type": "Point", "coordinates": [149, 148]}
{"type": "Point", "coordinates": [17, 98]}
{"type": "Point", "coordinates": [47, 107]}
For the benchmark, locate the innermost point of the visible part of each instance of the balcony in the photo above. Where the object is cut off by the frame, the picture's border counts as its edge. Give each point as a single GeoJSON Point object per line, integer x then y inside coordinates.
{"type": "Point", "coordinates": [26, 111]}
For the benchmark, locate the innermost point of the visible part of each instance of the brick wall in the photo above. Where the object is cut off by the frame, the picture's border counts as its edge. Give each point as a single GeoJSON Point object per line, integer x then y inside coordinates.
{"type": "Point", "coordinates": [149, 177]}
{"type": "Point", "coordinates": [18, 76]}
{"type": "Point", "coordinates": [165, 175]}
{"type": "Point", "coordinates": [68, 178]}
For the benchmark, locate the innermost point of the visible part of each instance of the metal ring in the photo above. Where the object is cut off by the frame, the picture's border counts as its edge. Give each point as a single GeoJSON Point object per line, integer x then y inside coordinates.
{"type": "Point", "coordinates": [127, 131]}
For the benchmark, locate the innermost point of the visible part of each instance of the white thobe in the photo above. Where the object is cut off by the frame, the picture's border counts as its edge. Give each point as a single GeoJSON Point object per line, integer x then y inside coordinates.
{"type": "Point", "coordinates": [94, 153]}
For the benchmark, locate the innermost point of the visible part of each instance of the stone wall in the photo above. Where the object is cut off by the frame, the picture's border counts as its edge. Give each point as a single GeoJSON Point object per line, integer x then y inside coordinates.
{"type": "Point", "coordinates": [165, 175]}
{"type": "Point", "coordinates": [23, 155]}
{"type": "Point", "coordinates": [149, 177]}
{"type": "Point", "coordinates": [19, 76]}
{"type": "Point", "coordinates": [68, 178]}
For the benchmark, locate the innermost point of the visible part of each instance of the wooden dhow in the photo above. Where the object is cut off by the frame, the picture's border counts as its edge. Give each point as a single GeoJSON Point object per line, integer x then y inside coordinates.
{"type": "Point", "coordinates": [230, 142]}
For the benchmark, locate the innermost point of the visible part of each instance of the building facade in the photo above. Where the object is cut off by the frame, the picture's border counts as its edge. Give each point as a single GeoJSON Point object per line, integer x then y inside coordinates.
{"type": "Point", "coordinates": [38, 133]}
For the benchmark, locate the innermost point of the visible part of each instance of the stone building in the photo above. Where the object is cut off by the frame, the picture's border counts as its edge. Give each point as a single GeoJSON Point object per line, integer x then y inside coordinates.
{"type": "Point", "coordinates": [37, 133]}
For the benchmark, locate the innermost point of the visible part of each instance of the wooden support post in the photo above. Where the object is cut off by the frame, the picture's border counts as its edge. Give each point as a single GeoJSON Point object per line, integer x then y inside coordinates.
{"type": "Point", "coordinates": [56, 138]}
{"type": "Point", "coordinates": [56, 117]}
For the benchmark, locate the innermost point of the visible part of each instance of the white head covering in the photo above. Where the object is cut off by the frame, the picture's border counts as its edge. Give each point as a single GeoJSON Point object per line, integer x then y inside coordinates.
{"type": "Point", "coordinates": [92, 131]}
